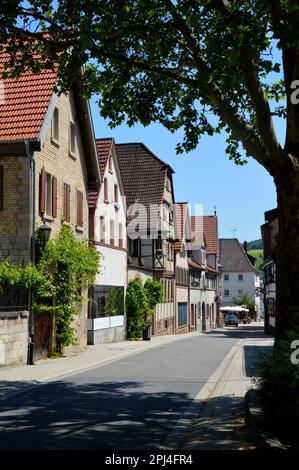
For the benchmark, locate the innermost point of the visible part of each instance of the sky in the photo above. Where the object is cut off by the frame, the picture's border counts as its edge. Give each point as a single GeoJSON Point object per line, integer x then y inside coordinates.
{"type": "Point", "coordinates": [241, 194]}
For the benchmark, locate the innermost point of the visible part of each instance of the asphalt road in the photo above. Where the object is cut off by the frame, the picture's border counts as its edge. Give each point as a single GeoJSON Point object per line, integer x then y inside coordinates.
{"type": "Point", "coordinates": [129, 404]}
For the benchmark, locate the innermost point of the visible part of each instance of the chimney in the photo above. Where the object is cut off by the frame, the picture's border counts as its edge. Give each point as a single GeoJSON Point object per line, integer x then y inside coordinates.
{"type": "Point", "coordinates": [245, 246]}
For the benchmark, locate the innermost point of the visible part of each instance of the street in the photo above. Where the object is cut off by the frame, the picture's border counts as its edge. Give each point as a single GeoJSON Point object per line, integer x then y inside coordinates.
{"type": "Point", "coordinates": [132, 403]}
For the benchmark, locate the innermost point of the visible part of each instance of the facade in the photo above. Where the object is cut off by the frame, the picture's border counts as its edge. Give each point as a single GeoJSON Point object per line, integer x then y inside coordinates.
{"type": "Point", "coordinates": [270, 235]}
{"type": "Point", "coordinates": [148, 187]}
{"type": "Point", "coordinates": [107, 226]}
{"type": "Point", "coordinates": [239, 274]}
{"type": "Point", "coordinates": [185, 320]}
{"type": "Point", "coordinates": [204, 271]}
{"type": "Point", "coordinates": [48, 162]}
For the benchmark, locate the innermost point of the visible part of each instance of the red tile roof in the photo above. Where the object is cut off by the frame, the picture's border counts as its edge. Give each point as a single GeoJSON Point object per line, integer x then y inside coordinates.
{"type": "Point", "coordinates": [193, 264]}
{"type": "Point", "coordinates": [181, 211]}
{"type": "Point", "coordinates": [24, 103]}
{"type": "Point", "coordinates": [92, 199]}
{"type": "Point", "coordinates": [210, 228]}
{"type": "Point", "coordinates": [103, 149]}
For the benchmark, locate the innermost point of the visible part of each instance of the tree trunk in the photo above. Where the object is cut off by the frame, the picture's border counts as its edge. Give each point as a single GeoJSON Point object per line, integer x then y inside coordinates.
{"type": "Point", "coordinates": [287, 258]}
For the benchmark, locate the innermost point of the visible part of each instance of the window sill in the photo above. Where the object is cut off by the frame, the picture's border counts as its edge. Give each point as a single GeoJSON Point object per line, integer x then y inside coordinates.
{"type": "Point", "coordinates": [66, 222]}
{"type": "Point", "coordinates": [48, 218]}
{"type": "Point", "coordinates": [55, 142]}
{"type": "Point", "coordinates": [72, 155]}
{"type": "Point", "coordinates": [79, 228]}
{"type": "Point", "coordinates": [106, 202]}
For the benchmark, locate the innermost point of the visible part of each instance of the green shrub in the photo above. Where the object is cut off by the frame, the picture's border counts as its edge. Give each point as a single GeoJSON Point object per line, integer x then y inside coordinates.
{"type": "Point", "coordinates": [279, 388]}
{"type": "Point", "coordinates": [137, 307]}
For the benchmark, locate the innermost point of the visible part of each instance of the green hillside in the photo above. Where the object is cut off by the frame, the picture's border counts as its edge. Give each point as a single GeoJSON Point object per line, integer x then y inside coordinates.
{"type": "Point", "coordinates": [259, 255]}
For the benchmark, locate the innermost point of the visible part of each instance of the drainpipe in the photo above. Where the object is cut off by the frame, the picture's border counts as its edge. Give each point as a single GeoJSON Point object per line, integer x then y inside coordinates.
{"type": "Point", "coordinates": [30, 360]}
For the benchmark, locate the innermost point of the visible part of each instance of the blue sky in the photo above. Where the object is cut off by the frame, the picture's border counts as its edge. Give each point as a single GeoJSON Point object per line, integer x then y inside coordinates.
{"type": "Point", "coordinates": [241, 194]}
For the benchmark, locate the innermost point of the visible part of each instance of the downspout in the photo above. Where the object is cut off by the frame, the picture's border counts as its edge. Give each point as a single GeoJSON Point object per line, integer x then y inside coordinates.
{"type": "Point", "coordinates": [30, 360]}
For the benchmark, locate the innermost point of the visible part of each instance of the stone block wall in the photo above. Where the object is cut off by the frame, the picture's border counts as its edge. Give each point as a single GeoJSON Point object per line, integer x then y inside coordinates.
{"type": "Point", "coordinates": [13, 337]}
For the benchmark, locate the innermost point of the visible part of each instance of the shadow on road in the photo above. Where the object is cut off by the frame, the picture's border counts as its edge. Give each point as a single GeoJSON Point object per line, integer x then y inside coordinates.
{"type": "Point", "coordinates": [221, 426]}
{"type": "Point", "coordinates": [110, 415]}
{"type": "Point", "coordinates": [243, 331]}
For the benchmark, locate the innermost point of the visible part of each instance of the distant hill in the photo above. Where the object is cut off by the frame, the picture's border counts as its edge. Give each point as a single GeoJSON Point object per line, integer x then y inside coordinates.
{"type": "Point", "coordinates": [255, 245]}
{"type": "Point", "coordinates": [259, 255]}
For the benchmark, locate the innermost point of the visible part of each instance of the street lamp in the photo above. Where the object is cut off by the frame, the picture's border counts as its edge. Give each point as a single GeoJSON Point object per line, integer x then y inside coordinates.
{"type": "Point", "coordinates": [45, 232]}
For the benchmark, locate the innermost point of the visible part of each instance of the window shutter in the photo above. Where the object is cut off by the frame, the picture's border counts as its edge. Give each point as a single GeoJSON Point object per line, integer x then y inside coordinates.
{"type": "Point", "coordinates": [66, 202]}
{"type": "Point", "coordinates": [42, 194]}
{"type": "Point", "coordinates": [79, 209]}
{"type": "Point", "coordinates": [1, 188]}
{"type": "Point", "coordinates": [54, 197]}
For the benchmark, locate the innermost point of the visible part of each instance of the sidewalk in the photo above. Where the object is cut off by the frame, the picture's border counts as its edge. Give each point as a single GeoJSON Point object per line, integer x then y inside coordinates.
{"type": "Point", "coordinates": [16, 378]}
{"type": "Point", "coordinates": [219, 408]}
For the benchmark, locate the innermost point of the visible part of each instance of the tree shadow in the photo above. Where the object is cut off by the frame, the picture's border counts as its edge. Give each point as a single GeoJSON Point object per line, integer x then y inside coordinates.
{"type": "Point", "coordinates": [254, 356]}
{"type": "Point", "coordinates": [108, 415]}
{"type": "Point", "coordinates": [221, 425]}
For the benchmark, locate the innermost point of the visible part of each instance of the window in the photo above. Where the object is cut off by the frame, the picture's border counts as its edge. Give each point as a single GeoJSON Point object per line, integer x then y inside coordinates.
{"type": "Point", "coordinates": [115, 193]}
{"type": "Point", "coordinates": [228, 261]}
{"type": "Point", "coordinates": [1, 188]}
{"type": "Point", "coordinates": [105, 190]}
{"type": "Point", "coordinates": [55, 125]}
{"type": "Point", "coordinates": [107, 301]}
{"type": "Point", "coordinates": [159, 246]}
{"type": "Point", "coordinates": [110, 163]}
{"type": "Point", "coordinates": [240, 277]}
{"type": "Point", "coordinates": [226, 277]}
{"type": "Point", "coordinates": [182, 313]}
{"type": "Point", "coordinates": [226, 292]}
{"type": "Point", "coordinates": [67, 202]}
{"type": "Point", "coordinates": [72, 142]}
{"type": "Point", "coordinates": [240, 291]}
{"type": "Point", "coordinates": [102, 230]}
{"type": "Point", "coordinates": [120, 236]}
{"type": "Point", "coordinates": [111, 232]}
{"type": "Point", "coordinates": [134, 248]}
{"type": "Point", "coordinates": [79, 208]}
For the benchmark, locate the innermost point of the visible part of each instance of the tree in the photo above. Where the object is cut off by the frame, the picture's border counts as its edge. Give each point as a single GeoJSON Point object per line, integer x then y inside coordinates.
{"type": "Point", "coordinates": [180, 63]}
{"type": "Point", "coordinates": [245, 301]}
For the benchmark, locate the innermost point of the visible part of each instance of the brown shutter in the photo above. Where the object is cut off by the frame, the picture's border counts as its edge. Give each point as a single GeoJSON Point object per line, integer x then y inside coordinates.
{"type": "Point", "coordinates": [42, 194]}
{"type": "Point", "coordinates": [1, 188]}
{"type": "Point", "coordinates": [66, 202]}
{"type": "Point", "coordinates": [79, 209]}
{"type": "Point", "coordinates": [54, 197]}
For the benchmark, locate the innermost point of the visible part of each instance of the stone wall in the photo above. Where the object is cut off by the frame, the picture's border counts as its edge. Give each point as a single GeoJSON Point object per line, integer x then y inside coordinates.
{"type": "Point", "coordinates": [13, 337]}
{"type": "Point", "coordinates": [108, 335]}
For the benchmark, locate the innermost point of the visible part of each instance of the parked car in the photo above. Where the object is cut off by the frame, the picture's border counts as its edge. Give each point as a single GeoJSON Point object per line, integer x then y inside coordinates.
{"type": "Point", "coordinates": [231, 320]}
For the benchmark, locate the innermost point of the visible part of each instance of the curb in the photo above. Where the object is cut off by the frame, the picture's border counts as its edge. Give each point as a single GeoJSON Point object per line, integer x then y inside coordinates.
{"type": "Point", "coordinates": [255, 418]}
{"type": "Point", "coordinates": [179, 435]}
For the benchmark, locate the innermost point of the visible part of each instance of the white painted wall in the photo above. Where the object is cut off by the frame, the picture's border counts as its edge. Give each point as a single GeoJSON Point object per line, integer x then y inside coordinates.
{"type": "Point", "coordinates": [250, 282]}
{"type": "Point", "coordinates": [113, 270]}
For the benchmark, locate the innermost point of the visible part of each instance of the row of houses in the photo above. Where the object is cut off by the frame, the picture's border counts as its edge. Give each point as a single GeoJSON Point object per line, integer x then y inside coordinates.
{"type": "Point", "coordinates": [54, 171]}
